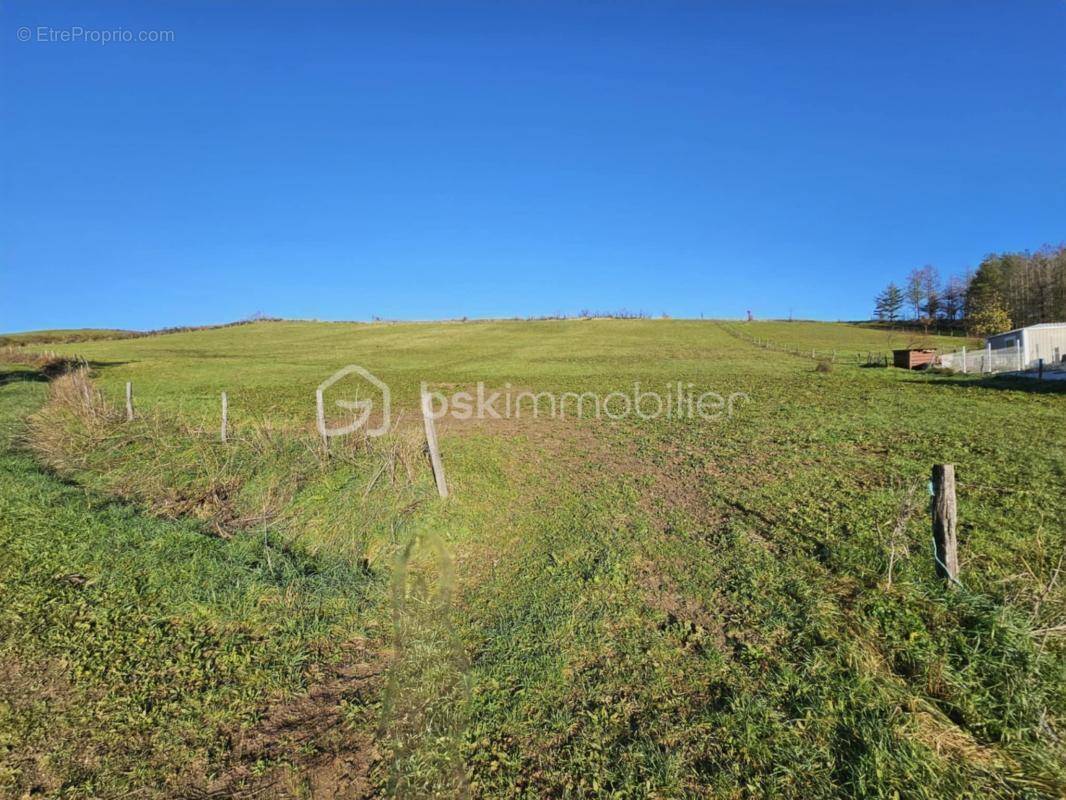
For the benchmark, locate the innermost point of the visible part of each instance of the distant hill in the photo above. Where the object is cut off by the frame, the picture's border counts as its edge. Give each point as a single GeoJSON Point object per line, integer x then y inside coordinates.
{"type": "Point", "coordinates": [65, 336]}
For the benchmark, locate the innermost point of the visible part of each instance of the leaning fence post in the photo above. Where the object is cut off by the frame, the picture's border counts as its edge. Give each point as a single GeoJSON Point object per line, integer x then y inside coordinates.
{"type": "Point", "coordinates": [988, 357]}
{"type": "Point", "coordinates": [129, 400]}
{"type": "Point", "coordinates": [434, 449]}
{"type": "Point", "coordinates": [225, 415]}
{"type": "Point", "coordinates": [944, 519]}
{"type": "Point", "coordinates": [964, 361]}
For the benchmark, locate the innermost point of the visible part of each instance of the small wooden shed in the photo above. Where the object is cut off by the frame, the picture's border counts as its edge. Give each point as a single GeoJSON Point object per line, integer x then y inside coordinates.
{"type": "Point", "coordinates": [913, 359]}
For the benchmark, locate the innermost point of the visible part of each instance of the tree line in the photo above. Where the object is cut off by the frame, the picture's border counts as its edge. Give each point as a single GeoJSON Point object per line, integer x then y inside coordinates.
{"type": "Point", "coordinates": [1007, 290]}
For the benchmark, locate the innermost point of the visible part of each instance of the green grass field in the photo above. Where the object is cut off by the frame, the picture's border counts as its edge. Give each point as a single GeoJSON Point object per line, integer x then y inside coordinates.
{"type": "Point", "coordinates": [743, 606]}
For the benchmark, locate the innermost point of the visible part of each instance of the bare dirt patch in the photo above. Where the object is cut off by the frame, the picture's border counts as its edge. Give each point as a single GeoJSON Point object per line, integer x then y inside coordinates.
{"type": "Point", "coordinates": [306, 746]}
{"type": "Point", "coordinates": [35, 694]}
{"type": "Point", "coordinates": [661, 593]}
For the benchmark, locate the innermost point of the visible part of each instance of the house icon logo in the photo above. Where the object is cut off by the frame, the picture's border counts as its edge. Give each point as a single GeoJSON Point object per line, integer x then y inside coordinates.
{"type": "Point", "coordinates": [365, 383]}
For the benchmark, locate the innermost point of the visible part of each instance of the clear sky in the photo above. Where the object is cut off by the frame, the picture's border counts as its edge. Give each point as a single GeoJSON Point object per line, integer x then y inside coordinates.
{"type": "Point", "coordinates": [442, 159]}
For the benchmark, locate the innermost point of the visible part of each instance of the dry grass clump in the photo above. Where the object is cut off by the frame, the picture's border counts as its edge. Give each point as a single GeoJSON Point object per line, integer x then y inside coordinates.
{"type": "Point", "coordinates": [950, 741]}
{"type": "Point", "coordinates": [73, 422]}
{"type": "Point", "coordinates": [11, 354]}
{"type": "Point", "coordinates": [401, 453]}
{"type": "Point", "coordinates": [49, 362]}
{"type": "Point", "coordinates": [75, 392]}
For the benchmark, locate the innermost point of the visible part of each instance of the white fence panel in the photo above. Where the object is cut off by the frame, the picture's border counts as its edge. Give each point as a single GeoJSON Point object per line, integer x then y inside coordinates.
{"type": "Point", "coordinates": [983, 359]}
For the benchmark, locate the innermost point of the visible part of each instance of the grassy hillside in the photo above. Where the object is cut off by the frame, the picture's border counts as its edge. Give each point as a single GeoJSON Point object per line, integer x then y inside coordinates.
{"type": "Point", "coordinates": [635, 607]}
{"type": "Point", "coordinates": [273, 368]}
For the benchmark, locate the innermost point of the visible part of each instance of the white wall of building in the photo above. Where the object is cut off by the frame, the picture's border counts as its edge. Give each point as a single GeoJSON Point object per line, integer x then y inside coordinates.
{"type": "Point", "coordinates": [1046, 341]}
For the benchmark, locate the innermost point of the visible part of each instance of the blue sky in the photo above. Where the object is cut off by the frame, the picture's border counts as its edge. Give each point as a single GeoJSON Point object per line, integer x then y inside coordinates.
{"type": "Point", "coordinates": [431, 160]}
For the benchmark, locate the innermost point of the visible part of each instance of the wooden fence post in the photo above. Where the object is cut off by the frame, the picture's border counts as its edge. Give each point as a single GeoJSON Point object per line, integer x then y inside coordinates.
{"type": "Point", "coordinates": [129, 400]}
{"type": "Point", "coordinates": [225, 416]}
{"type": "Point", "coordinates": [434, 449]}
{"type": "Point", "coordinates": [944, 519]}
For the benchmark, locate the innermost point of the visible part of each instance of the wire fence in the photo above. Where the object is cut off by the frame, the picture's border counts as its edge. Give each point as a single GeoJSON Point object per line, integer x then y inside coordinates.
{"type": "Point", "coordinates": [983, 360]}
{"type": "Point", "coordinates": [865, 357]}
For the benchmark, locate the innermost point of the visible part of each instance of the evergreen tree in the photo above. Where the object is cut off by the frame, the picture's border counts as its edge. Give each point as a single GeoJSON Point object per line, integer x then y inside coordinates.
{"type": "Point", "coordinates": [889, 303]}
